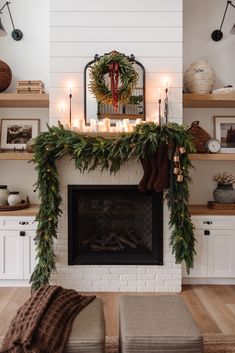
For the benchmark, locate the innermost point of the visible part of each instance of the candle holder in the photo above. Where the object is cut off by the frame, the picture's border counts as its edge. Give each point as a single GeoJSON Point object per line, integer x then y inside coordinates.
{"type": "Point", "coordinates": [70, 108]}
{"type": "Point", "coordinates": [166, 106]}
{"type": "Point", "coordinates": [160, 111]}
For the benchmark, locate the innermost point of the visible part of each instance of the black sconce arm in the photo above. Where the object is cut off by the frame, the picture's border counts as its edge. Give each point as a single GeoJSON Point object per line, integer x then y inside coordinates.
{"type": "Point", "coordinates": [16, 33]}
{"type": "Point", "coordinates": [217, 35]}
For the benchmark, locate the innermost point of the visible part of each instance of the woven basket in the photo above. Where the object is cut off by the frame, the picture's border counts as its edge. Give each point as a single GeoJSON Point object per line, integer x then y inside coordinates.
{"type": "Point", "coordinates": [21, 206]}
{"type": "Point", "coordinates": [199, 78]}
{"type": "Point", "coordinates": [200, 137]}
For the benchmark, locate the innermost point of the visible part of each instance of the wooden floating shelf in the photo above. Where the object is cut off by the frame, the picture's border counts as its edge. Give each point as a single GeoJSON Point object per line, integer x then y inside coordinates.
{"type": "Point", "coordinates": [200, 210]}
{"type": "Point", "coordinates": [16, 156]}
{"type": "Point", "coordinates": [209, 100]}
{"type": "Point", "coordinates": [16, 100]}
{"type": "Point", "coordinates": [32, 211]}
{"type": "Point", "coordinates": [212, 157]}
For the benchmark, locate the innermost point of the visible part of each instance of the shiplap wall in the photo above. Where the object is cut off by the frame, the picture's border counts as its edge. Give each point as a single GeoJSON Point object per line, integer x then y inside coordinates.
{"type": "Point", "coordinates": [151, 30]}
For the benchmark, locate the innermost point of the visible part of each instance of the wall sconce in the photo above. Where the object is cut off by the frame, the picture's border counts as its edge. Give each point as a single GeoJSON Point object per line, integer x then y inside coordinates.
{"type": "Point", "coordinates": [16, 33]}
{"type": "Point", "coordinates": [217, 34]}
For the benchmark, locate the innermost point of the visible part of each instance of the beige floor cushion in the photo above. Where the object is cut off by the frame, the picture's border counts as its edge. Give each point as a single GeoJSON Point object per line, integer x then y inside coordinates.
{"type": "Point", "coordinates": [157, 324]}
{"type": "Point", "coordinates": [88, 331]}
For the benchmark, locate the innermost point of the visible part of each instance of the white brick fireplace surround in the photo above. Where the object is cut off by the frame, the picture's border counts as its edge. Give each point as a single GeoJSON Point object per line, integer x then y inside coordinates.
{"type": "Point", "coordinates": [131, 278]}
{"type": "Point", "coordinates": [152, 31]}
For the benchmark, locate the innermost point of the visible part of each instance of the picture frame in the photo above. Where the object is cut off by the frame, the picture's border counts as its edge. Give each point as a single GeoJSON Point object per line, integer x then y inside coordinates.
{"type": "Point", "coordinates": [15, 133]}
{"type": "Point", "coordinates": [225, 132]}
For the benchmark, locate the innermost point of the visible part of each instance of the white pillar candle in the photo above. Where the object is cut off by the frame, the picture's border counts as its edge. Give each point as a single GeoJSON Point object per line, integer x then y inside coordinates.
{"type": "Point", "coordinates": [126, 125]}
{"type": "Point", "coordinates": [119, 126]}
{"type": "Point", "coordinates": [94, 127]}
{"type": "Point", "coordinates": [107, 124]}
{"type": "Point", "coordinates": [81, 125]}
{"type": "Point", "coordinates": [138, 121]}
{"type": "Point", "coordinates": [131, 127]}
{"type": "Point", "coordinates": [101, 126]}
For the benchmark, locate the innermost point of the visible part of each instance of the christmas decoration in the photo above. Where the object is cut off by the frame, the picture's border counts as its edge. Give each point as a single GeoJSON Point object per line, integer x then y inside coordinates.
{"type": "Point", "coordinates": [117, 66]}
{"type": "Point", "coordinates": [148, 142]}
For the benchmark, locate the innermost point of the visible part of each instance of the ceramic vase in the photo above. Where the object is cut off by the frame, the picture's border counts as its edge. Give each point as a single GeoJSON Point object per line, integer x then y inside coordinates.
{"type": "Point", "coordinates": [4, 192]}
{"type": "Point", "coordinates": [224, 193]}
{"type": "Point", "coordinates": [14, 198]}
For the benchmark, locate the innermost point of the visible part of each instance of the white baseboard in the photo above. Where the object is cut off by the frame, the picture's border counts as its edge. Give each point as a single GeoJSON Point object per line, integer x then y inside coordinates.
{"type": "Point", "coordinates": [209, 280]}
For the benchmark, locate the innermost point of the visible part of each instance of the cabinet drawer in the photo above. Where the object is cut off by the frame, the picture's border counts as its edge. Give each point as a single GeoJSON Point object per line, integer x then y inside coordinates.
{"type": "Point", "coordinates": [18, 224]}
{"type": "Point", "coordinates": [218, 222]}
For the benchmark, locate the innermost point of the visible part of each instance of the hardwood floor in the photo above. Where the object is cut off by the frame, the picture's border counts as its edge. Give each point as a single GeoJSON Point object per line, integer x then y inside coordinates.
{"type": "Point", "coordinates": [212, 307]}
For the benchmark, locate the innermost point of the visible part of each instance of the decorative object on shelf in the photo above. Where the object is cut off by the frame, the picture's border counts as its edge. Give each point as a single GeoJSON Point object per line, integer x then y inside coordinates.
{"type": "Point", "coordinates": [15, 133]}
{"type": "Point", "coordinates": [14, 198]}
{"type": "Point", "coordinates": [114, 87]}
{"type": "Point", "coordinates": [5, 76]}
{"type": "Point", "coordinates": [199, 78]}
{"type": "Point", "coordinates": [217, 34]}
{"type": "Point", "coordinates": [4, 192]}
{"type": "Point", "coordinates": [24, 204]}
{"type": "Point", "coordinates": [200, 137]}
{"type": "Point", "coordinates": [213, 145]}
{"type": "Point", "coordinates": [108, 154]}
{"type": "Point", "coordinates": [224, 193]}
{"type": "Point", "coordinates": [30, 87]}
{"type": "Point", "coordinates": [225, 132]}
{"type": "Point", "coordinates": [16, 33]}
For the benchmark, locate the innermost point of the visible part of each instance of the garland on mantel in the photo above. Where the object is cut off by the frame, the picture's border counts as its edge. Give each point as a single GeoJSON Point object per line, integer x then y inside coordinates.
{"type": "Point", "coordinates": [109, 154]}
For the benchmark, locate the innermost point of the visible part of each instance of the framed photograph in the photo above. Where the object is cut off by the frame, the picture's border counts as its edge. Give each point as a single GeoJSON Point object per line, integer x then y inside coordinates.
{"type": "Point", "coordinates": [225, 132]}
{"type": "Point", "coordinates": [15, 133]}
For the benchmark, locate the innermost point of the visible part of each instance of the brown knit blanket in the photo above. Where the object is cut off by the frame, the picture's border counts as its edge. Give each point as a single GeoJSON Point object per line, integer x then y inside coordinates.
{"type": "Point", "coordinates": [43, 323]}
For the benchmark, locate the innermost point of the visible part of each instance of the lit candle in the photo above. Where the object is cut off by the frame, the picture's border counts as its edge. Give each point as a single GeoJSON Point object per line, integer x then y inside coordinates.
{"type": "Point", "coordinates": [119, 126]}
{"type": "Point", "coordinates": [106, 124]}
{"type": "Point", "coordinates": [138, 121]}
{"type": "Point", "coordinates": [126, 125]}
{"type": "Point", "coordinates": [101, 126]}
{"type": "Point", "coordinates": [93, 125]}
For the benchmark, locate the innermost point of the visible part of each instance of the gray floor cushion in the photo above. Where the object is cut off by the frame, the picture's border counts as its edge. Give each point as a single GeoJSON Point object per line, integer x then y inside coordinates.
{"type": "Point", "coordinates": [88, 331]}
{"type": "Point", "coordinates": [157, 324]}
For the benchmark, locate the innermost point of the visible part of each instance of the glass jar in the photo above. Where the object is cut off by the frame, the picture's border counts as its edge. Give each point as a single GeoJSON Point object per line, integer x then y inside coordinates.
{"type": "Point", "coordinates": [14, 198]}
{"type": "Point", "coordinates": [4, 192]}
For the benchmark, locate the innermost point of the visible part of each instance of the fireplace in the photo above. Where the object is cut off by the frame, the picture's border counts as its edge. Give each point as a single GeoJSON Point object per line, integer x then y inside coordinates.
{"type": "Point", "coordinates": [114, 224]}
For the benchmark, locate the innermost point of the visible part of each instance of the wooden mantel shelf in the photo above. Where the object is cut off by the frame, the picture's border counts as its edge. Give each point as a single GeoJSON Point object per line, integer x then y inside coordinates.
{"type": "Point", "coordinates": [203, 210]}
{"type": "Point", "coordinates": [15, 100]}
{"type": "Point", "coordinates": [212, 157]}
{"type": "Point", "coordinates": [32, 211]}
{"type": "Point", "coordinates": [209, 100]}
{"type": "Point", "coordinates": [16, 156]}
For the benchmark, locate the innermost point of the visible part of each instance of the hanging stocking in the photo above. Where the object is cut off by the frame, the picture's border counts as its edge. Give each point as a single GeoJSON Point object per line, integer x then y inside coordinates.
{"type": "Point", "coordinates": [154, 171]}
{"type": "Point", "coordinates": [143, 184]}
{"type": "Point", "coordinates": [162, 181]}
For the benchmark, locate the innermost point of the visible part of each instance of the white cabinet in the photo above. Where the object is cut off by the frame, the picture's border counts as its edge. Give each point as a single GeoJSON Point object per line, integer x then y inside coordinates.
{"type": "Point", "coordinates": [17, 249]}
{"type": "Point", "coordinates": [215, 247]}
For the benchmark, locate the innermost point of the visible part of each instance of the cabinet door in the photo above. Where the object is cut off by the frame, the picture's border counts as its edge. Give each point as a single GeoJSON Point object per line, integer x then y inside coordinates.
{"type": "Point", "coordinates": [11, 251]}
{"type": "Point", "coordinates": [221, 259]}
{"type": "Point", "coordinates": [200, 263]}
{"type": "Point", "coordinates": [29, 254]}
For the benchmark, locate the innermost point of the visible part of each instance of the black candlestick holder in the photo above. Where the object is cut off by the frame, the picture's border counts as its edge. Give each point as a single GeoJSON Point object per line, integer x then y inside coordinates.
{"type": "Point", "coordinates": [166, 106]}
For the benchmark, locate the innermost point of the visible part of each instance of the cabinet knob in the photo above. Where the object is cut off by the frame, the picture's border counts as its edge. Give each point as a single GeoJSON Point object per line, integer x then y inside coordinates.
{"type": "Point", "coordinates": [206, 232]}
{"type": "Point", "coordinates": [23, 223]}
{"type": "Point", "coordinates": [207, 222]}
{"type": "Point", "coordinates": [22, 233]}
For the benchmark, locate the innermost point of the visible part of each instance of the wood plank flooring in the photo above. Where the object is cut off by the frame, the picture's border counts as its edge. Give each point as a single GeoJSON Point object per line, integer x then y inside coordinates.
{"type": "Point", "coordinates": [212, 307]}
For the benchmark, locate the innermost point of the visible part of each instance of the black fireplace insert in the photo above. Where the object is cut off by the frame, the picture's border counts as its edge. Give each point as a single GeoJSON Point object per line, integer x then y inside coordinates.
{"type": "Point", "coordinates": [114, 224]}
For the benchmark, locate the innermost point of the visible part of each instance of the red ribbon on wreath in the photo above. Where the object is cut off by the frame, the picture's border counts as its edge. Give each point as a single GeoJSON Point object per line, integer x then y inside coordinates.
{"type": "Point", "coordinates": [114, 75]}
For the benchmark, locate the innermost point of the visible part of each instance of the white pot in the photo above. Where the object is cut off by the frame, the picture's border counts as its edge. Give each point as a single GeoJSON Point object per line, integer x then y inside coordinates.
{"type": "Point", "coordinates": [14, 198]}
{"type": "Point", "coordinates": [4, 192]}
{"type": "Point", "coordinates": [199, 78]}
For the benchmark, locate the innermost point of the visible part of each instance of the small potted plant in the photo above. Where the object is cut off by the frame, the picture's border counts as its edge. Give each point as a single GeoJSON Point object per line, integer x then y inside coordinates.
{"type": "Point", "coordinates": [224, 193]}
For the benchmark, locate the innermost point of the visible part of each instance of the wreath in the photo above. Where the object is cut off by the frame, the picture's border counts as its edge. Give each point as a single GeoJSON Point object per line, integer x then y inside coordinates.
{"type": "Point", "coordinates": [117, 65]}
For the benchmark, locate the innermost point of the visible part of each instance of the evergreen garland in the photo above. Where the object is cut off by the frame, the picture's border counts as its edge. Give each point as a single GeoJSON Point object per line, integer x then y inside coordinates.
{"type": "Point", "coordinates": [109, 154]}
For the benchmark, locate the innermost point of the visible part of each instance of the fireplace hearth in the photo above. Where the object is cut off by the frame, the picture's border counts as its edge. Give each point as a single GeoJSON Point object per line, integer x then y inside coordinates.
{"type": "Point", "coordinates": [114, 224]}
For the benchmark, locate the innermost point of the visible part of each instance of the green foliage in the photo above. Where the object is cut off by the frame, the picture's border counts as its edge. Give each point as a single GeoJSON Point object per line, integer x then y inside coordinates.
{"type": "Point", "coordinates": [110, 154]}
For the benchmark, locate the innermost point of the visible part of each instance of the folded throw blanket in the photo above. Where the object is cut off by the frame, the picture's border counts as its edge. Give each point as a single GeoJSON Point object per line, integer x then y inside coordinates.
{"type": "Point", "coordinates": [43, 323]}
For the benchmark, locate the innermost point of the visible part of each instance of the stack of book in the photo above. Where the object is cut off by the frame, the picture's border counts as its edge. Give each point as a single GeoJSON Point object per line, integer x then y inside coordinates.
{"type": "Point", "coordinates": [28, 86]}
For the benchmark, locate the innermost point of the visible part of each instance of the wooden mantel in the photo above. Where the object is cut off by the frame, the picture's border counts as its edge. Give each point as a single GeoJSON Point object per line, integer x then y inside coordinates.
{"type": "Point", "coordinates": [209, 100]}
